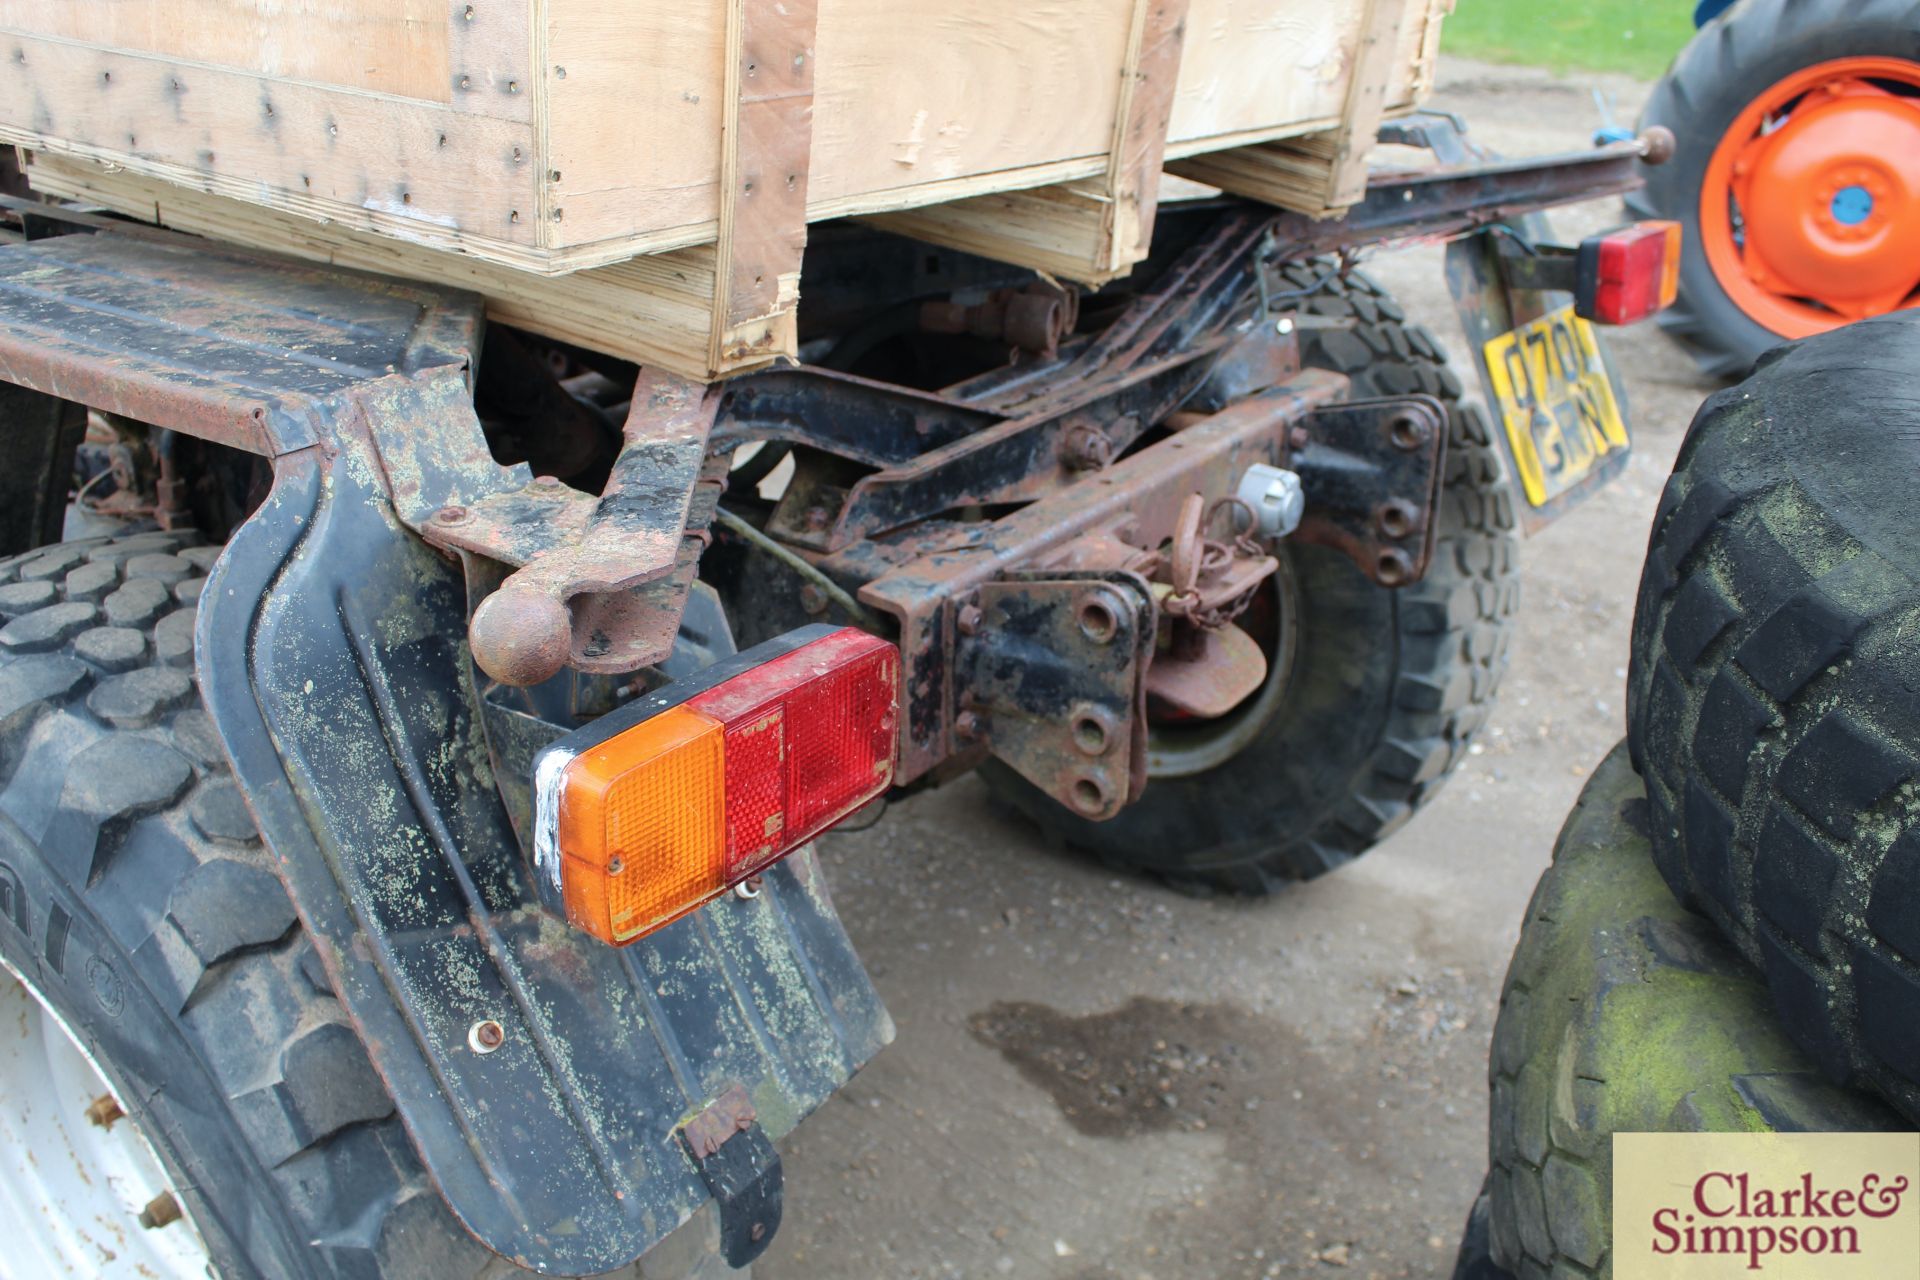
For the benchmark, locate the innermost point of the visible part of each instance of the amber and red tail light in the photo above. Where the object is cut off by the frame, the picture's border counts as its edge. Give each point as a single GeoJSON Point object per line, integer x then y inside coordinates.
{"type": "Point", "coordinates": [1629, 274]}
{"type": "Point", "coordinates": [670, 801]}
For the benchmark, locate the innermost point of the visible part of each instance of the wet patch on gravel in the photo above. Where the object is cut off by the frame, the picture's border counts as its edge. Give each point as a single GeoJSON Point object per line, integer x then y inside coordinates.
{"type": "Point", "coordinates": [1148, 1066]}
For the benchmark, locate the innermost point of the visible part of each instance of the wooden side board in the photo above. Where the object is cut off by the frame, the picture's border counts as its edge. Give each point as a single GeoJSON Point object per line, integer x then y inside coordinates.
{"type": "Point", "coordinates": [560, 135]}
{"type": "Point", "coordinates": [1095, 229]}
{"type": "Point", "coordinates": [638, 175]}
{"type": "Point", "coordinates": [1324, 171]}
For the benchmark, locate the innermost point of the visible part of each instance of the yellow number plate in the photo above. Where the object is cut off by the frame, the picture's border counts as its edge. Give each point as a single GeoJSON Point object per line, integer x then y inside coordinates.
{"type": "Point", "coordinates": [1556, 403]}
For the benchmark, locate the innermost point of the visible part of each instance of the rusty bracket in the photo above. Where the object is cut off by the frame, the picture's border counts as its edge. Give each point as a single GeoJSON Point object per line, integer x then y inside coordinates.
{"type": "Point", "coordinates": [1054, 679]}
{"type": "Point", "coordinates": [730, 1113]}
{"type": "Point", "coordinates": [743, 1172]}
{"type": "Point", "coordinates": [582, 563]}
{"type": "Point", "coordinates": [1372, 471]}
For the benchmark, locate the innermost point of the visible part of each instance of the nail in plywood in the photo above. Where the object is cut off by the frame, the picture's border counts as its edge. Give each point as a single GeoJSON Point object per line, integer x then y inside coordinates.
{"type": "Point", "coordinates": [1324, 172]}
{"type": "Point", "coordinates": [1091, 230]}
{"type": "Point", "coordinates": [656, 309]}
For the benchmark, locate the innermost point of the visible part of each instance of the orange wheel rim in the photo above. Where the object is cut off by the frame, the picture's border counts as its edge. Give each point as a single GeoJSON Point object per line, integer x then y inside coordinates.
{"type": "Point", "coordinates": [1810, 212]}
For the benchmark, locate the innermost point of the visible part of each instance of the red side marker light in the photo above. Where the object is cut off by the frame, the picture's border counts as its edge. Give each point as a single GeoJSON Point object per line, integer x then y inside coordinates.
{"type": "Point", "coordinates": [670, 801]}
{"type": "Point", "coordinates": [1627, 275]}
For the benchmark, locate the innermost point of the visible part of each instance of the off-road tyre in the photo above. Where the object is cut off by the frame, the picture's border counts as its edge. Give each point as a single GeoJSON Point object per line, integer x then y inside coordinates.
{"type": "Point", "coordinates": [1475, 1258]}
{"type": "Point", "coordinates": [1625, 1012]}
{"type": "Point", "coordinates": [1738, 55]}
{"type": "Point", "coordinates": [1388, 687]}
{"type": "Point", "coordinates": [1771, 698]}
{"type": "Point", "coordinates": [138, 901]}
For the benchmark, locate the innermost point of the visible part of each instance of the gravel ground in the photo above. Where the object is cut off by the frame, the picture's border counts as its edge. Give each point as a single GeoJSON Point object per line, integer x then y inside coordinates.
{"type": "Point", "coordinates": [1098, 1079]}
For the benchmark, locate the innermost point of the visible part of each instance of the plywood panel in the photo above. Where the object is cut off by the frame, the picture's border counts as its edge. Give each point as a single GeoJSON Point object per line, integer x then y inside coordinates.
{"type": "Point", "coordinates": [1254, 68]}
{"type": "Point", "coordinates": [423, 173]}
{"type": "Point", "coordinates": [633, 110]}
{"type": "Point", "coordinates": [398, 47]}
{"type": "Point", "coordinates": [1095, 229]}
{"type": "Point", "coordinates": [1253, 62]}
{"type": "Point", "coordinates": [910, 96]}
{"type": "Point", "coordinates": [919, 92]}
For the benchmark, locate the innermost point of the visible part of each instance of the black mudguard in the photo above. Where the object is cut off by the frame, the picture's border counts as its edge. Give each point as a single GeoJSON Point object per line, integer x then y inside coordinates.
{"type": "Point", "coordinates": [331, 646]}
{"type": "Point", "coordinates": [331, 651]}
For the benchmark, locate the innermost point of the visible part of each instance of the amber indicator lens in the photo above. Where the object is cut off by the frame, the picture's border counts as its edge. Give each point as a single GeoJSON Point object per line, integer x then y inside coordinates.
{"type": "Point", "coordinates": [640, 828]}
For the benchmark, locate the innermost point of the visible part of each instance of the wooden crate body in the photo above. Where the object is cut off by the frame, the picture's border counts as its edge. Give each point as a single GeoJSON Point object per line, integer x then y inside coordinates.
{"type": "Point", "coordinates": [555, 136]}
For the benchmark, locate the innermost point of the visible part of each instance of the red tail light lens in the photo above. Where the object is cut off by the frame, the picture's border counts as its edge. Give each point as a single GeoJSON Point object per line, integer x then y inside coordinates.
{"type": "Point", "coordinates": [809, 739]}
{"type": "Point", "coordinates": [664, 805]}
{"type": "Point", "coordinates": [1627, 275]}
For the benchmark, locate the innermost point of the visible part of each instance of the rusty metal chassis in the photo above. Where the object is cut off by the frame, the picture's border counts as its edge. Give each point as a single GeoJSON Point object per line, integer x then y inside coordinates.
{"type": "Point", "coordinates": [328, 645]}
{"type": "Point", "coordinates": [597, 583]}
{"type": "Point", "coordinates": [992, 615]}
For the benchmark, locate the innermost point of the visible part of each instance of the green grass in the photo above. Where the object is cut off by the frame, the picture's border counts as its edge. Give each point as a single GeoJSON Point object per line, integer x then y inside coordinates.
{"type": "Point", "coordinates": [1638, 37]}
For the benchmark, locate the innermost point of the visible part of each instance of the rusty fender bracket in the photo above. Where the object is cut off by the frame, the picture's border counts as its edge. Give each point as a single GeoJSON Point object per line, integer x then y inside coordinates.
{"type": "Point", "coordinates": [545, 1079]}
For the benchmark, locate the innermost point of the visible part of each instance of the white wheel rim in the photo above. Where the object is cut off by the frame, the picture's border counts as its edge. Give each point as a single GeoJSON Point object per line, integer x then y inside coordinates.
{"type": "Point", "coordinates": [71, 1191]}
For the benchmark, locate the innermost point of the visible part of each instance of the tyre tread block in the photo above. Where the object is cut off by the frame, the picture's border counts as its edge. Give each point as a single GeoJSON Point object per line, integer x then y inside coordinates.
{"type": "Point", "coordinates": [1840, 769]}
{"type": "Point", "coordinates": [1731, 719]}
{"type": "Point", "coordinates": [1793, 876]}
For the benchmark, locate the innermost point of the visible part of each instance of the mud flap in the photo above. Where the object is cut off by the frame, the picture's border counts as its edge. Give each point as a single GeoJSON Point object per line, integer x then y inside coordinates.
{"type": "Point", "coordinates": [1490, 306]}
{"type": "Point", "coordinates": [330, 647]}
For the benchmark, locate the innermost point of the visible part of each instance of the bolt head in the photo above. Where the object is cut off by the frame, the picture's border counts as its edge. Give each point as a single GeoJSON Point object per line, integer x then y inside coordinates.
{"type": "Point", "coordinates": [1657, 144]}
{"type": "Point", "coordinates": [1087, 448]}
{"type": "Point", "coordinates": [1393, 568]}
{"type": "Point", "coordinates": [103, 1111]}
{"type": "Point", "coordinates": [969, 619]}
{"type": "Point", "coordinates": [451, 515]}
{"type": "Point", "coordinates": [967, 726]}
{"type": "Point", "coordinates": [160, 1211]}
{"type": "Point", "coordinates": [1408, 431]}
